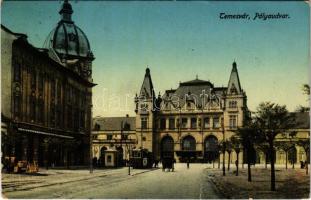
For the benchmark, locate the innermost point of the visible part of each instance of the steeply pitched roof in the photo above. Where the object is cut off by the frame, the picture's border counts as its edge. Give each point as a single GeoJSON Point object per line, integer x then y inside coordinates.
{"type": "Point", "coordinates": [113, 123]}
{"type": "Point", "coordinates": [302, 120]}
{"type": "Point", "coordinates": [234, 81]}
{"type": "Point", "coordinates": [147, 86]}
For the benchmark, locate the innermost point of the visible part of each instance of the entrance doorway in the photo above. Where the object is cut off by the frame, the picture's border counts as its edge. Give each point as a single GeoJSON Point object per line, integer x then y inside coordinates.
{"type": "Point", "coordinates": [211, 152]}
{"type": "Point", "coordinates": [167, 147]}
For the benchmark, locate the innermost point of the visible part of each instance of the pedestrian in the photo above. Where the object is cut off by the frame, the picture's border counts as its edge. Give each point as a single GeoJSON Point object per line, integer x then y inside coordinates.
{"type": "Point", "coordinates": [302, 164]}
{"type": "Point", "coordinates": [95, 162]}
{"type": "Point", "coordinates": [163, 165]}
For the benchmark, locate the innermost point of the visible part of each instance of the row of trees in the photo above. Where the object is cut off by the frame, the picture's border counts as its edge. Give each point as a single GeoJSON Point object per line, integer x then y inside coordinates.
{"type": "Point", "coordinates": [260, 131]}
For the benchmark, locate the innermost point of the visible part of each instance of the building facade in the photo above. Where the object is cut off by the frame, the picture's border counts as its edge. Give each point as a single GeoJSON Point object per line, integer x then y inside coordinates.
{"type": "Point", "coordinates": [46, 95]}
{"type": "Point", "coordinates": [188, 122]}
{"type": "Point", "coordinates": [113, 134]}
{"type": "Point", "coordinates": [191, 121]}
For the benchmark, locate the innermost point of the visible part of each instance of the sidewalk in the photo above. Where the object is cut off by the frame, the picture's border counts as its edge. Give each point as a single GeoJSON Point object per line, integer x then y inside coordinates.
{"type": "Point", "coordinates": [17, 182]}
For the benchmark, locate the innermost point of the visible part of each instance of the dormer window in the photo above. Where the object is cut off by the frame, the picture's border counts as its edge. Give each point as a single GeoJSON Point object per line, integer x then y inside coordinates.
{"type": "Point", "coordinates": [233, 89]}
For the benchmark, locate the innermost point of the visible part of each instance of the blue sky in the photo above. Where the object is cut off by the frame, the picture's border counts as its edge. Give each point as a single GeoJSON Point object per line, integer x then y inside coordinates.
{"type": "Point", "coordinates": [179, 40]}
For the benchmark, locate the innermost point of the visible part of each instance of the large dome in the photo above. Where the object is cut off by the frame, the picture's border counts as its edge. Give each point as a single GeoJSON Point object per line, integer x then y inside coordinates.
{"type": "Point", "coordinates": [67, 39]}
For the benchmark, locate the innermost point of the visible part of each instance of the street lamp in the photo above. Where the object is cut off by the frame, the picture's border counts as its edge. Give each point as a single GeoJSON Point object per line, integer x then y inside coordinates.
{"type": "Point", "coordinates": [127, 145]}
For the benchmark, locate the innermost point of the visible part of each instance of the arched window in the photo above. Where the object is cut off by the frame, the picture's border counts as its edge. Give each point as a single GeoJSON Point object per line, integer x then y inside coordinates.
{"type": "Point", "coordinates": [211, 143]}
{"type": "Point", "coordinates": [189, 143]}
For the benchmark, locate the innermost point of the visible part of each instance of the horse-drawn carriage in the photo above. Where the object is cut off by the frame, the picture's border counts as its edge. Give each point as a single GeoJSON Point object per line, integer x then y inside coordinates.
{"type": "Point", "coordinates": [168, 163]}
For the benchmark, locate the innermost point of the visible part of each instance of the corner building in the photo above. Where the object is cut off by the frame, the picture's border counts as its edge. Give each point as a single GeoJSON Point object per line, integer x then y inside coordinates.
{"type": "Point", "coordinates": [46, 96]}
{"type": "Point", "coordinates": [190, 121]}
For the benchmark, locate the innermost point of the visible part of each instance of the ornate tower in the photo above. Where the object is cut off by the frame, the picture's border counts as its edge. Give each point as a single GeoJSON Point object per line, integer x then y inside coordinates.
{"type": "Point", "coordinates": [68, 44]}
{"type": "Point", "coordinates": [145, 113]}
{"type": "Point", "coordinates": [235, 103]}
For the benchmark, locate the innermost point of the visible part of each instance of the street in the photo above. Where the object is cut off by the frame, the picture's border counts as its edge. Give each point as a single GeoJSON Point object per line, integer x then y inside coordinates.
{"type": "Point", "coordinates": [114, 183]}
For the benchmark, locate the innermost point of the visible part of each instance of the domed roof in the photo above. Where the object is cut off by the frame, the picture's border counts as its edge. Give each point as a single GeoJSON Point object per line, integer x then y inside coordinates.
{"type": "Point", "coordinates": [67, 39]}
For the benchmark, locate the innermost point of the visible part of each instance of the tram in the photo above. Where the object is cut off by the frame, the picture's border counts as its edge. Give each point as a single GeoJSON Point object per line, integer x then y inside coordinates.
{"type": "Point", "coordinates": [141, 158]}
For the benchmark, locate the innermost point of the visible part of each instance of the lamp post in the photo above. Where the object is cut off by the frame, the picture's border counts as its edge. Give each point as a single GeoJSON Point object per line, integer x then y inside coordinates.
{"type": "Point", "coordinates": [126, 128]}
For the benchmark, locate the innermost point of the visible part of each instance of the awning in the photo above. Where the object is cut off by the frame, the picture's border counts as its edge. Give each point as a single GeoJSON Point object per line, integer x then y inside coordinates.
{"type": "Point", "coordinates": [44, 133]}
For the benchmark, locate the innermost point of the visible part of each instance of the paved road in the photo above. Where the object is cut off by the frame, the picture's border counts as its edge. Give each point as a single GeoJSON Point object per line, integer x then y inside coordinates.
{"type": "Point", "coordinates": [182, 183]}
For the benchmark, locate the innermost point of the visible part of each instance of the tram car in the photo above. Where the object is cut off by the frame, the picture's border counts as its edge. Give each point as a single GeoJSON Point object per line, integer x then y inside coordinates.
{"type": "Point", "coordinates": [141, 158]}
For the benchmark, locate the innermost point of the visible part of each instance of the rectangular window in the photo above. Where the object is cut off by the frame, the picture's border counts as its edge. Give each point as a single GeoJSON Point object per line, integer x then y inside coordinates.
{"type": "Point", "coordinates": [53, 89]}
{"type": "Point", "coordinates": [17, 104]}
{"type": "Point", "coordinates": [34, 80]}
{"type": "Point", "coordinates": [184, 122]}
{"type": "Point", "coordinates": [109, 158]}
{"type": "Point", "coordinates": [41, 84]}
{"type": "Point", "coordinates": [32, 108]}
{"type": "Point", "coordinates": [232, 121]}
{"type": "Point", "coordinates": [216, 122]}
{"type": "Point", "coordinates": [40, 112]}
{"type": "Point", "coordinates": [144, 123]}
{"type": "Point", "coordinates": [69, 116]}
{"type": "Point", "coordinates": [207, 122]}
{"type": "Point", "coordinates": [232, 104]}
{"type": "Point", "coordinates": [171, 123]}
{"type": "Point", "coordinates": [109, 137]}
{"type": "Point", "coordinates": [193, 123]}
{"type": "Point", "coordinates": [163, 123]}
{"type": "Point", "coordinates": [136, 154]}
{"type": "Point", "coordinates": [17, 72]}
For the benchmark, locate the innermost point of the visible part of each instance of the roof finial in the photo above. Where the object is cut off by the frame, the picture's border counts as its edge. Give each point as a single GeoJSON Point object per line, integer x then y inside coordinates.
{"type": "Point", "coordinates": [234, 64]}
{"type": "Point", "coordinates": [66, 11]}
{"type": "Point", "coordinates": [147, 70]}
